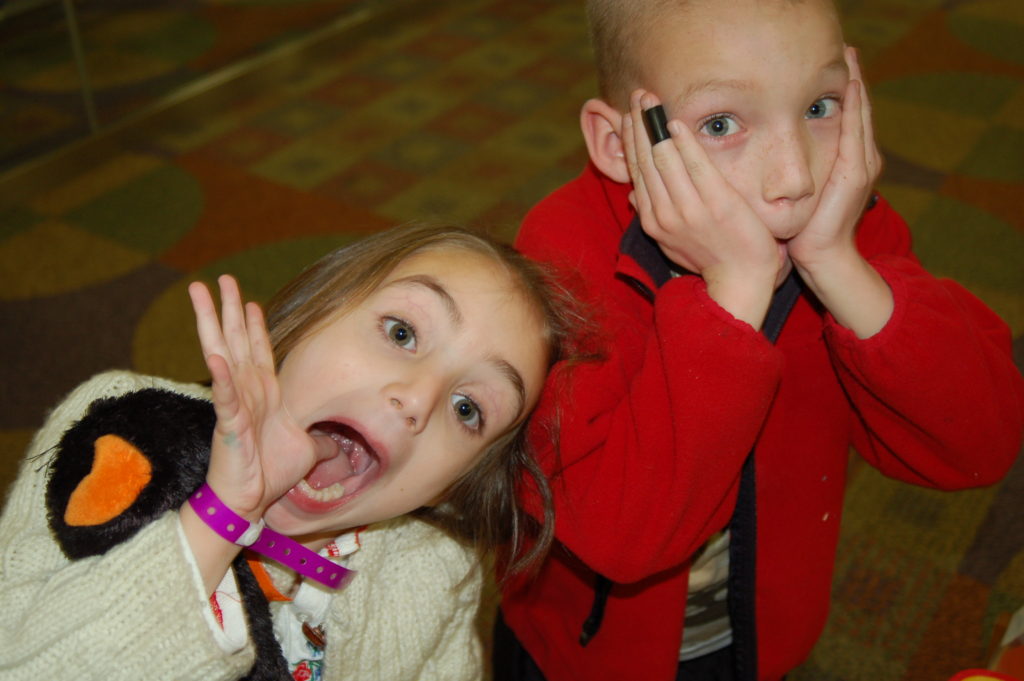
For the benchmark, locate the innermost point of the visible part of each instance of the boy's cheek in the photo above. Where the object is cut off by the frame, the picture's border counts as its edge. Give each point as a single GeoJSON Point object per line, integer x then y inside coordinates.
{"type": "Point", "coordinates": [730, 161]}
{"type": "Point", "coordinates": [826, 148]}
{"type": "Point", "coordinates": [740, 167]}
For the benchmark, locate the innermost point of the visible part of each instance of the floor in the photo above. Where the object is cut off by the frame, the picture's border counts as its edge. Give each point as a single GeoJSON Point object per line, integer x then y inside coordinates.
{"type": "Point", "coordinates": [465, 111]}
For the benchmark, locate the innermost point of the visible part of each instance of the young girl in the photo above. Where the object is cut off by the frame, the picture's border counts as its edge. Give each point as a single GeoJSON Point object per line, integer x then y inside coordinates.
{"type": "Point", "coordinates": [396, 378]}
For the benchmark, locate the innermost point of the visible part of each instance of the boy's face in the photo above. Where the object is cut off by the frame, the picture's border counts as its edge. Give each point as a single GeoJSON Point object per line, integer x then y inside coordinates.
{"type": "Point", "coordinates": [759, 83]}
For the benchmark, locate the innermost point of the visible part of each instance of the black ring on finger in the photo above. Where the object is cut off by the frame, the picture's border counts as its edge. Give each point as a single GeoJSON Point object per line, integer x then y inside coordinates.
{"type": "Point", "coordinates": [656, 124]}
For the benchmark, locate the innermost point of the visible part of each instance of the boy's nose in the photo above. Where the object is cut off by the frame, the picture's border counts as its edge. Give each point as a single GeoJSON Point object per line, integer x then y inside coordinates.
{"type": "Point", "coordinates": [787, 173]}
{"type": "Point", "coordinates": [413, 401]}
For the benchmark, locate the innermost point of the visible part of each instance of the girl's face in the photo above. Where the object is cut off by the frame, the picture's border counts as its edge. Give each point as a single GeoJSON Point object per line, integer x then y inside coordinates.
{"type": "Point", "coordinates": [403, 393]}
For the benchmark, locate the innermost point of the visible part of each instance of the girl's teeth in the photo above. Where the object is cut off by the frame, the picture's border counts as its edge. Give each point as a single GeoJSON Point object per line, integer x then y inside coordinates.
{"type": "Point", "coordinates": [345, 444]}
{"type": "Point", "coordinates": [335, 491]}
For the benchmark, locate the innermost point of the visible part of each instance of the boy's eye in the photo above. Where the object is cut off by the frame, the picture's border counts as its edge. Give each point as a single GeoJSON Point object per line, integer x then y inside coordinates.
{"type": "Point", "coordinates": [400, 333]}
{"type": "Point", "coordinates": [719, 126]}
{"type": "Point", "coordinates": [467, 412]}
{"type": "Point", "coordinates": [825, 107]}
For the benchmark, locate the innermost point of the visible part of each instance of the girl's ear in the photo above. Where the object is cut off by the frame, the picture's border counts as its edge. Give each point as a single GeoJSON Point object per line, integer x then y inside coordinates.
{"type": "Point", "coordinates": [602, 124]}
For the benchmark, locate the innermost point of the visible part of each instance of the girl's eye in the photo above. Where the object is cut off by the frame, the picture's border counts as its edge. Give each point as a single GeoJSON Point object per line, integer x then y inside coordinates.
{"type": "Point", "coordinates": [467, 412]}
{"type": "Point", "coordinates": [400, 333]}
{"type": "Point", "coordinates": [826, 107]}
{"type": "Point", "coordinates": [720, 125]}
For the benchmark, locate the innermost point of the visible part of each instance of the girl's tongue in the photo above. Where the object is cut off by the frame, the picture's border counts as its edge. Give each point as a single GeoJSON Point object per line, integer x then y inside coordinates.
{"type": "Point", "coordinates": [337, 475]}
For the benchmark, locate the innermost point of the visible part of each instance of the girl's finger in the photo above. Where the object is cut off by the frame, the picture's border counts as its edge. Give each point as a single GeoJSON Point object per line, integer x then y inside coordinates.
{"type": "Point", "coordinates": [225, 396]}
{"type": "Point", "coordinates": [233, 320]}
{"type": "Point", "coordinates": [211, 339]}
{"type": "Point", "coordinates": [259, 339]}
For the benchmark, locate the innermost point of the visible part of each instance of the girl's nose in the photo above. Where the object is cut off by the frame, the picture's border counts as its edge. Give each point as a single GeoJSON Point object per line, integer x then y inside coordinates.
{"type": "Point", "coordinates": [787, 171]}
{"type": "Point", "coordinates": [413, 402]}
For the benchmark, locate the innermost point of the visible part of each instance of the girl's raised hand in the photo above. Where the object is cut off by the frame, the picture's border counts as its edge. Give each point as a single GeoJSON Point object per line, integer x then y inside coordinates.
{"type": "Point", "coordinates": [697, 218]}
{"type": "Point", "coordinates": [258, 451]}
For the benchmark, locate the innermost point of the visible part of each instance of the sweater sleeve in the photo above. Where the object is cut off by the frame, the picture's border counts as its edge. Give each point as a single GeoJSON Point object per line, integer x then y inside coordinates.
{"type": "Point", "coordinates": [131, 613]}
{"type": "Point", "coordinates": [670, 410]}
{"type": "Point", "coordinates": [937, 398]}
{"type": "Point", "coordinates": [410, 612]}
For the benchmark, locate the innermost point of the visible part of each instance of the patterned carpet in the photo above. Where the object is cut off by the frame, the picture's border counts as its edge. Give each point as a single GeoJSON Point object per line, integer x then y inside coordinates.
{"type": "Point", "coordinates": [465, 111]}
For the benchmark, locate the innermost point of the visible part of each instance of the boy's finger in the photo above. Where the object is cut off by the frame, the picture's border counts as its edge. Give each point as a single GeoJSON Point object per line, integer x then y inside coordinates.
{"type": "Point", "coordinates": [211, 339]}
{"type": "Point", "coordinates": [233, 319]}
{"type": "Point", "coordinates": [871, 155]}
{"type": "Point", "coordinates": [629, 144]}
{"type": "Point", "coordinates": [673, 169]}
{"type": "Point", "coordinates": [851, 137]}
{"type": "Point", "coordinates": [704, 183]}
{"type": "Point", "coordinates": [633, 167]}
{"type": "Point", "coordinates": [642, 201]}
{"type": "Point", "coordinates": [652, 179]}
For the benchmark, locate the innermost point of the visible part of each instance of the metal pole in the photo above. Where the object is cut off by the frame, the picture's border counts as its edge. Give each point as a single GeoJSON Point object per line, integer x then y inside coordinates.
{"type": "Point", "coordinates": [83, 73]}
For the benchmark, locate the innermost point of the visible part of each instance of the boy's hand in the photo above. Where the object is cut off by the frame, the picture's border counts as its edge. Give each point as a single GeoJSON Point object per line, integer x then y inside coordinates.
{"type": "Point", "coordinates": [825, 252]}
{"type": "Point", "coordinates": [258, 450]}
{"type": "Point", "coordinates": [830, 231]}
{"type": "Point", "coordinates": [697, 218]}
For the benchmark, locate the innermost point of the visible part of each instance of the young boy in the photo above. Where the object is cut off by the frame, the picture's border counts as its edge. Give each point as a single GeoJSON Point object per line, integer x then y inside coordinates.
{"type": "Point", "coordinates": [700, 469]}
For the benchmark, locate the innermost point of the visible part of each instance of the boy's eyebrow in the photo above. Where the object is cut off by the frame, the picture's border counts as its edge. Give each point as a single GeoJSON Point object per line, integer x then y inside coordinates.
{"type": "Point", "coordinates": [713, 84]}
{"type": "Point", "coordinates": [837, 64]}
{"type": "Point", "coordinates": [455, 315]}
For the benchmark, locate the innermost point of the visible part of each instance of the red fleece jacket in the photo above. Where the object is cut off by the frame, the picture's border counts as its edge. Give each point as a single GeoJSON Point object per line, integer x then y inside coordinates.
{"type": "Point", "coordinates": [652, 438]}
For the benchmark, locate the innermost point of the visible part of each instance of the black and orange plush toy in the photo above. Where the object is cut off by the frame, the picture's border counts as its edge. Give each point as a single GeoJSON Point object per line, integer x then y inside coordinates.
{"type": "Point", "coordinates": [128, 461]}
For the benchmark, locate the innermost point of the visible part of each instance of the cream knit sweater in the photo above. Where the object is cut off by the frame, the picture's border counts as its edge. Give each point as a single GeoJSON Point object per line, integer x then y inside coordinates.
{"type": "Point", "coordinates": [136, 612]}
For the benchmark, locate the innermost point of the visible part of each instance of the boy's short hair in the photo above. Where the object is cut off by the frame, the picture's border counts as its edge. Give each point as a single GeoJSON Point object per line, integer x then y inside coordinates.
{"type": "Point", "coordinates": [617, 28]}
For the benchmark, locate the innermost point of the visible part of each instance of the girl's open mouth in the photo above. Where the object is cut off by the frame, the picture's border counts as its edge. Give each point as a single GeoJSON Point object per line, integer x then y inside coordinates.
{"type": "Point", "coordinates": [350, 465]}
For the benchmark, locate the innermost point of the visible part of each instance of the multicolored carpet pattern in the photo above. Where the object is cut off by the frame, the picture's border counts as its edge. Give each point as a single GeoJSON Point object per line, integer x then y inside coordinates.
{"type": "Point", "coordinates": [466, 112]}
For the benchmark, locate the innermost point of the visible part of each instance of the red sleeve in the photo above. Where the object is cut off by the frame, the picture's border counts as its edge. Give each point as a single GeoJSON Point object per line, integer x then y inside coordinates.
{"type": "Point", "coordinates": [937, 397]}
{"type": "Point", "coordinates": [669, 412]}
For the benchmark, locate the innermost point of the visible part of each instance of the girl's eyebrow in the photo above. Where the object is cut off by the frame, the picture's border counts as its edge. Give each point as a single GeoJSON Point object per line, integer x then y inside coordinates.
{"type": "Point", "coordinates": [505, 369]}
{"type": "Point", "coordinates": [434, 285]}
{"type": "Point", "coordinates": [516, 379]}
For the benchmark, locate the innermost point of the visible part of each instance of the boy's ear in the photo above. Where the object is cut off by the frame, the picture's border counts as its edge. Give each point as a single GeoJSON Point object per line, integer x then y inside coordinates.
{"type": "Point", "coordinates": [601, 124]}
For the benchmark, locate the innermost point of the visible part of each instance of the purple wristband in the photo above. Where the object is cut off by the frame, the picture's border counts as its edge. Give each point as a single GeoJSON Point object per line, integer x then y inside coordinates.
{"type": "Point", "coordinates": [221, 519]}
{"type": "Point", "coordinates": [284, 550]}
{"type": "Point", "coordinates": [290, 553]}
